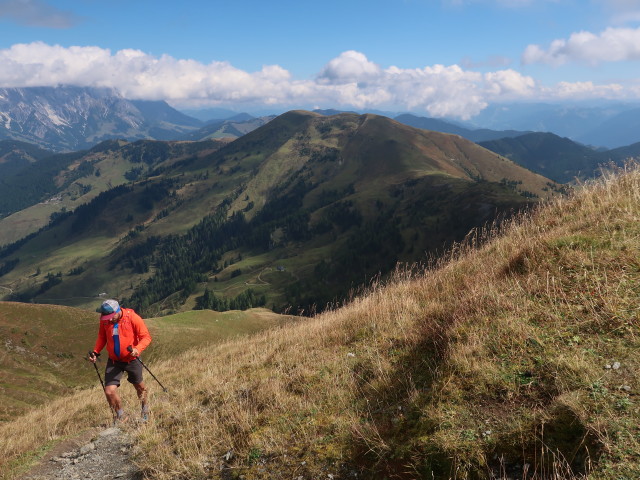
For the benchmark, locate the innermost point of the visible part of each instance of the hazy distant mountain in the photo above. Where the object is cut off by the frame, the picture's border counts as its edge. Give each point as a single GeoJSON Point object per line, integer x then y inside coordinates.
{"type": "Point", "coordinates": [438, 125]}
{"type": "Point", "coordinates": [609, 125]}
{"type": "Point", "coordinates": [234, 127]}
{"type": "Point", "coordinates": [72, 118]}
{"type": "Point", "coordinates": [209, 114]}
{"type": "Point", "coordinates": [617, 131]}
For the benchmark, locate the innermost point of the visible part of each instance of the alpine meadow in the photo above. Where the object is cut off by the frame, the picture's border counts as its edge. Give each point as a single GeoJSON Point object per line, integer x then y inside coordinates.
{"type": "Point", "coordinates": [388, 240]}
{"type": "Point", "coordinates": [510, 356]}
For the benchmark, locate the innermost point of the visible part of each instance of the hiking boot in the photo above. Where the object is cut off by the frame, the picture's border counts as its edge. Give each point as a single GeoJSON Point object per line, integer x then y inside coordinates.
{"type": "Point", "coordinates": [120, 418]}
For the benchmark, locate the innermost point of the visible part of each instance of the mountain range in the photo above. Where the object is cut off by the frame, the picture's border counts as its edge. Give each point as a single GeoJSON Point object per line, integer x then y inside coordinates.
{"type": "Point", "coordinates": [67, 118]}
{"type": "Point", "coordinates": [609, 125]}
{"type": "Point", "coordinates": [73, 118]}
{"type": "Point", "coordinates": [296, 212]}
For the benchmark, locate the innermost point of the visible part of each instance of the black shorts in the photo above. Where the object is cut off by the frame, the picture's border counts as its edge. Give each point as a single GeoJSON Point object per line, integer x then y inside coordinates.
{"type": "Point", "coordinates": [114, 370]}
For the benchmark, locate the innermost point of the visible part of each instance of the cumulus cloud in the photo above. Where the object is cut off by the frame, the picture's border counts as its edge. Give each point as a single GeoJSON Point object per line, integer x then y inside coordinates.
{"type": "Point", "coordinates": [611, 45]}
{"type": "Point", "coordinates": [350, 80]}
{"type": "Point", "coordinates": [36, 13]}
{"type": "Point", "coordinates": [348, 67]}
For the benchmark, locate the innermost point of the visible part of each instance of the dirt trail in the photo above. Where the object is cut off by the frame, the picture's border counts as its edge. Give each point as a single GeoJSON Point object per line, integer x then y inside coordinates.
{"type": "Point", "coordinates": [94, 455]}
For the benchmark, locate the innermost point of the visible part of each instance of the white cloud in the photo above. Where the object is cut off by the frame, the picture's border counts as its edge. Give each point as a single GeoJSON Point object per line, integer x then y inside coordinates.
{"type": "Point", "coordinates": [348, 67]}
{"type": "Point", "coordinates": [36, 13]}
{"type": "Point", "coordinates": [585, 90]}
{"type": "Point", "coordinates": [350, 80]}
{"type": "Point", "coordinates": [611, 45]}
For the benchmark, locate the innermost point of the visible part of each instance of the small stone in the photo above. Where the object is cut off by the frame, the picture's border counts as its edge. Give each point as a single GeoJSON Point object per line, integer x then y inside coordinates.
{"type": "Point", "coordinates": [87, 448]}
{"type": "Point", "coordinates": [607, 367]}
{"type": "Point", "coordinates": [616, 365]}
{"type": "Point", "coordinates": [228, 456]}
{"type": "Point", "coordinates": [351, 354]}
{"type": "Point", "coordinates": [626, 388]}
{"type": "Point", "coordinates": [109, 431]}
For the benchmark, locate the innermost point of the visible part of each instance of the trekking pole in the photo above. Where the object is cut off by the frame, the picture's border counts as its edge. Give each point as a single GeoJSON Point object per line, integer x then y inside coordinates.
{"type": "Point", "coordinates": [91, 354]}
{"type": "Point", "coordinates": [130, 349]}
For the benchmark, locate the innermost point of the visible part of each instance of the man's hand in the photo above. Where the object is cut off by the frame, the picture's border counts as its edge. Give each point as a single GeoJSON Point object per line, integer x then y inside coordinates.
{"type": "Point", "coordinates": [135, 352]}
{"type": "Point", "coordinates": [93, 357]}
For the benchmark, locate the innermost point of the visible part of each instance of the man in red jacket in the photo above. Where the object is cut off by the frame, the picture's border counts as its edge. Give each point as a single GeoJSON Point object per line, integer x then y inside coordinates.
{"type": "Point", "coordinates": [119, 329]}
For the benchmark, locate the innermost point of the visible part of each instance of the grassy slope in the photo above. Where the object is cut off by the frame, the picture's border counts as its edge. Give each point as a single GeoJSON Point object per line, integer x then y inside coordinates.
{"type": "Point", "coordinates": [492, 362]}
{"type": "Point", "coordinates": [44, 347]}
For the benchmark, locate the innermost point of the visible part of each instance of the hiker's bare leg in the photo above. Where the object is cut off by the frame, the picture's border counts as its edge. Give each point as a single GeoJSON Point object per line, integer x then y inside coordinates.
{"type": "Point", "coordinates": [141, 389]}
{"type": "Point", "coordinates": [111, 392]}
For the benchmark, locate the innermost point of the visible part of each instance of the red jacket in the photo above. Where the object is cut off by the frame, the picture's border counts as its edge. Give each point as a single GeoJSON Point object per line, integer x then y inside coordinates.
{"type": "Point", "coordinates": [132, 332]}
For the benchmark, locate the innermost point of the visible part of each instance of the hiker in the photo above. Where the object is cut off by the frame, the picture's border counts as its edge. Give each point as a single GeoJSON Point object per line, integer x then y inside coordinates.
{"type": "Point", "coordinates": [125, 334]}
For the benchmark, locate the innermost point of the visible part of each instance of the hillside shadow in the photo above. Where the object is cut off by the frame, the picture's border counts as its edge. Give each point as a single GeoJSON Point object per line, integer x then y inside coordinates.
{"type": "Point", "coordinates": [396, 437]}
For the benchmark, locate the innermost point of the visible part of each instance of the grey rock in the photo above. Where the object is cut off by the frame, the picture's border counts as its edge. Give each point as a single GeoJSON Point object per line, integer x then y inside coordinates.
{"type": "Point", "coordinates": [87, 448]}
{"type": "Point", "coordinates": [109, 431]}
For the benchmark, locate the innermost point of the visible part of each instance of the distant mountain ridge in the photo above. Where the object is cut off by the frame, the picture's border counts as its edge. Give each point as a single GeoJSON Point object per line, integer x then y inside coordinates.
{"type": "Point", "coordinates": [560, 159]}
{"type": "Point", "coordinates": [609, 125]}
{"type": "Point", "coordinates": [438, 125]}
{"type": "Point", "coordinates": [70, 118]}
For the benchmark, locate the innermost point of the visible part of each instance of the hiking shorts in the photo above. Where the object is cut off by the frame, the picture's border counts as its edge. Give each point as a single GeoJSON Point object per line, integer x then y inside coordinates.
{"type": "Point", "coordinates": [114, 370]}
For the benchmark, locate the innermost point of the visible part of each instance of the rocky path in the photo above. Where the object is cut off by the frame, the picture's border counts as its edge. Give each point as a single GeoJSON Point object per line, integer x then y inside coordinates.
{"type": "Point", "coordinates": [96, 455]}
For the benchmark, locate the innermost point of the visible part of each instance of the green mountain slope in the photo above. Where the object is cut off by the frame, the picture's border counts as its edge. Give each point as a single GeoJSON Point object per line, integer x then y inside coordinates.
{"type": "Point", "coordinates": [560, 159]}
{"type": "Point", "coordinates": [55, 184]}
{"type": "Point", "coordinates": [15, 156]}
{"type": "Point", "coordinates": [295, 213]}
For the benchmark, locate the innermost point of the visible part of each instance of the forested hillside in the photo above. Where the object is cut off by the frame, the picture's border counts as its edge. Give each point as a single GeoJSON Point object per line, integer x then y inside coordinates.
{"type": "Point", "coordinates": [296, 214]}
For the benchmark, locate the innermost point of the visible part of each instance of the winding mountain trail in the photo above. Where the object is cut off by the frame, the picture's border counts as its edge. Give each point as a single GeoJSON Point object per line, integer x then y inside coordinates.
{"type": "Point", "coordinates": [96, 455]}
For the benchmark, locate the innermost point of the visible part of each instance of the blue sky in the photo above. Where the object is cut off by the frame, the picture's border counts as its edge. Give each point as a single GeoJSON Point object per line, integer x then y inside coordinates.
{"type": "Point", "coordinates": [442, 58]}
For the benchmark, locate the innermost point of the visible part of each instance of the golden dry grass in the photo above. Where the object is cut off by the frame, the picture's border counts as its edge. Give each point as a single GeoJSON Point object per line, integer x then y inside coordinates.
{"type": "Point", "coordinates": [490, 364]}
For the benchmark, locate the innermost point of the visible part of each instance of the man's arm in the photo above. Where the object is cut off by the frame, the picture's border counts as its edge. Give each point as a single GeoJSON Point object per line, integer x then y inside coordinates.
{"type": "Point", "coordinates": [101, 341]}
{"type": "Point", "coordinates": [143, 337]}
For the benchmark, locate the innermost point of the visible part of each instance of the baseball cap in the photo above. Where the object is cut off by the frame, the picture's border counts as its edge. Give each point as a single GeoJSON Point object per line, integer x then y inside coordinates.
{"type": "Point", "coordinates": [108, 309]}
